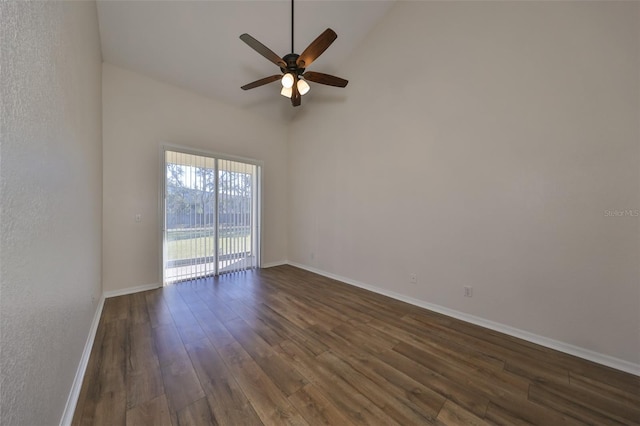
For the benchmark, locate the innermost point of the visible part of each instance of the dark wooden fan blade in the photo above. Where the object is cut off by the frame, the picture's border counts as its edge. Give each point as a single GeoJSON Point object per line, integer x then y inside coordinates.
{"type": "Point", "coordinates": [316, 48]}
{"type": "Point", "coordinates": [296, 98]}
{"type": "Point", "coordinates": [263, 50]}
{"type": "Point", "coordinates": [329, 80]}
{"type": "Point", "coordinates": [262, 82]}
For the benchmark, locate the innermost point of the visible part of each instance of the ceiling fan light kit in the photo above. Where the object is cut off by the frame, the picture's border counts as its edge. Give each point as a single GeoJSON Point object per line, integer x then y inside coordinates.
{"type": "Point", "coordinates": [294, 76]}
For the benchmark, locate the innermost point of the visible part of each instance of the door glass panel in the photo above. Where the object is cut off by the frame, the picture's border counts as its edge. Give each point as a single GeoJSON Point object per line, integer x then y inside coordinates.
{"type": "Point", "coordinates": [210, 216]}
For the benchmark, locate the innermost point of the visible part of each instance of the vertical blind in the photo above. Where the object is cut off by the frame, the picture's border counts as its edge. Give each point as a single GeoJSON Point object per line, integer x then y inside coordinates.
{"type": "Point", "coordinates": [236, 182]}
{"type": "Point", "coordinates": [211, 216]}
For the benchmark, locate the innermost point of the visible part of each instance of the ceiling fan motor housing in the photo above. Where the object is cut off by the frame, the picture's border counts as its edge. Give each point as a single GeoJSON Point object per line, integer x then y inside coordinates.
{"type": "Point", "coordinates": [292, 66]}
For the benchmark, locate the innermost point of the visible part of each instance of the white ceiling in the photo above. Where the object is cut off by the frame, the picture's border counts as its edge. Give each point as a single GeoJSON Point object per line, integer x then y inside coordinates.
{"type": "Point", "coordinates": [196, 44]}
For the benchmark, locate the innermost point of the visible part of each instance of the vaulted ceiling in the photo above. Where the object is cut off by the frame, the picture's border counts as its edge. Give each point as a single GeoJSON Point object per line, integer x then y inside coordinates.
{"type": "Point", "coordinates": [196, 45]}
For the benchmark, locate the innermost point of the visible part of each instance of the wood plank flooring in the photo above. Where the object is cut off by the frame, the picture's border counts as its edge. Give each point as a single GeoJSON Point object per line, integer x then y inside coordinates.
{"type": "Point", "coordinates": [284, 346]}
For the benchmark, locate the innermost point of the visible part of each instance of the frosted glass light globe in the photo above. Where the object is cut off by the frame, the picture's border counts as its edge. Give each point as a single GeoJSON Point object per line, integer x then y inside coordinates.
{"type": "Point", "coordinates": [287, 80]}
{"type": "Point", "coordinates": [303, 87]}
{"type": "Point", "coordinates": [286, 92]}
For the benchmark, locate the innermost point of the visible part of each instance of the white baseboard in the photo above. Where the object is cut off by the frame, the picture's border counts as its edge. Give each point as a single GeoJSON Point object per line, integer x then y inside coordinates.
{"type": "Point", "coordinates": [130, 290]}
{"type": "Point", "coordinates": [273, 264]}
{"type": "Point", "coordinates": [609, 361]}
{"type": "Point", "coordinates": [74, 394]}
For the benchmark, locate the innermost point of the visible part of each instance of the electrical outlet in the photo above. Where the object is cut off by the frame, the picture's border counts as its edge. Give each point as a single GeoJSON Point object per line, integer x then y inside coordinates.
{"type": "Point", "coordinates": [468, 291]}
{"type": "Point", "coordinates": [413, 279]}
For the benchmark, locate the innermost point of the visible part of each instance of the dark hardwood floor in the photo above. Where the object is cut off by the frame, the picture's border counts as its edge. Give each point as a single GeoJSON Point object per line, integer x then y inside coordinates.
{"type": "Point", "coordinates": [285, 346]}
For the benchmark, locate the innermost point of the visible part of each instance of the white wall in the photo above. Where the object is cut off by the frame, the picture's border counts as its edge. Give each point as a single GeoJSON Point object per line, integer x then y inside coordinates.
{"type": "Point", "coordinates": [140, 114]}
{"type": "Point", "coordinates": [480, 143]}
{"type": "Point", "coordinates": [50, 202]}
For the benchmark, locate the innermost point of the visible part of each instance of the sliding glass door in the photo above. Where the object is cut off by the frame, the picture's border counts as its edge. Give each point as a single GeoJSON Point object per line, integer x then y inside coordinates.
{"type": "Point", "coordinates": [211, 215]}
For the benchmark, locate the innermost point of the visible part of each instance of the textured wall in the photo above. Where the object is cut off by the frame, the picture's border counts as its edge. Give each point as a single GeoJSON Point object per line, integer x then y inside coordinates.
{"type": "Point", "coordinates": [50, 202]}
{"type": "Point", "coordinates": [140, 114]}
{"type": "Point", "coordinates": [491, 162]}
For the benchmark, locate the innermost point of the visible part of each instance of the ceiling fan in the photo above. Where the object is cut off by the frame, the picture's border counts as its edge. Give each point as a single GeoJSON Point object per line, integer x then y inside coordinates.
{"type": "Point", "coordinates": [294, 76]}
